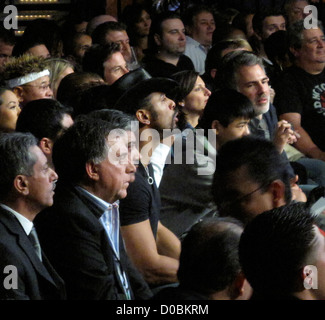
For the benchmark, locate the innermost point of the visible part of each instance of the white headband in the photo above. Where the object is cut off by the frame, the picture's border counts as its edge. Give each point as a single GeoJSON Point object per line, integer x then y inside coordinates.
{"type": "Point", "coordinates": [27, 78]}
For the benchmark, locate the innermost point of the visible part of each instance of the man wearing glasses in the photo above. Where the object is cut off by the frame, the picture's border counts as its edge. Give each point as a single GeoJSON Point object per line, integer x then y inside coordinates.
{"type": "Point", "coordinates": [28, 77]}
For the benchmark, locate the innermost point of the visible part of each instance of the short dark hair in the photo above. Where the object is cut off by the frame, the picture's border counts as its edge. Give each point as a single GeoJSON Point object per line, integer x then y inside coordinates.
{"type": "Point", "coordinates": [264, 165]}
{"type": "Point", "coordinates": [43, 118]}
{"type": "Point", "coordinates": [186, 81]}
{"type": "Point", "coordinates": [191, 13]}
{"type": "Point", "coordinates": [83, 142]}
{"type": "Point", "coordinates": [156, 28]}
{"type": "Point", "coordinates": [275, 246]}
{"type": "Point", "coordinates": [7, 36]}
{"type": "Point", "coordinates": [15, 159]}
{"type": "Point", "coordinates": [96, 55]}
{"type": "Point", "coordinates": [209, 260]}
{"type": "Point", "coordinates": [260, 16]}
{"type": "Point", "coordinates": [99, 34]}
{"type": "Point", "coordinates": [226, 105]}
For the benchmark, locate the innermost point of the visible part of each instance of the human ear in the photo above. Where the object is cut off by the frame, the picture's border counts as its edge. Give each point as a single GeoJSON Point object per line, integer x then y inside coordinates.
{"type": "Point", "coordinates": [21, 185]}
{"type": "Point", "coordinates": [92, 171]}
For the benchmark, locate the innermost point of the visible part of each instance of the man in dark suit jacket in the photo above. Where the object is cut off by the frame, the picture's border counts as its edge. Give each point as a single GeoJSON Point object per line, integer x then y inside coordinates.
{"type": "Point", "coordinates": [26, 187]}
{"type": "Point", "coordinates": [81, 231]}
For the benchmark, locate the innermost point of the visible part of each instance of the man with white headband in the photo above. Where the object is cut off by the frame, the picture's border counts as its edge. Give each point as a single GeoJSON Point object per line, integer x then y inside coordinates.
{"type": "Point", "coordinates": [28, 77]}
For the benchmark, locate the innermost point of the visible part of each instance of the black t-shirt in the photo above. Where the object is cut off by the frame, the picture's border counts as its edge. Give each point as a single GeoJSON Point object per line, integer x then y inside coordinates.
{"type": "Point", "coordinates": [142, 201]}
{"type": "Point", "coordinates": [160, 68]}
{"type": "Point", "coordinates": [300, 92]}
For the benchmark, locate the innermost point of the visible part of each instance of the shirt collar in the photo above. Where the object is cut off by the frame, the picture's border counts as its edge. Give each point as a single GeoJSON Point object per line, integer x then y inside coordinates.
{"type": "Point", "coordinates": [25, 223]}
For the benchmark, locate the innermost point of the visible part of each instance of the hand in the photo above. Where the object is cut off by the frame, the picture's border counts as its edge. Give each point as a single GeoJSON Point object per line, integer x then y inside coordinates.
{"type": "Point", "coordinates": [284, 134]}
{"type": "Point", "coordinates": [272, 94]}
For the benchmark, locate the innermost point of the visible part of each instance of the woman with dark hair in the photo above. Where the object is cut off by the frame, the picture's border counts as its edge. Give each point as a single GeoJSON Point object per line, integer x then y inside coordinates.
{"type": "Point", "coordinates": [138, 22]}
{"type": "Point", "coordinates": [9, 110]}
{"type": "Point", "coordinates": [192, 96]}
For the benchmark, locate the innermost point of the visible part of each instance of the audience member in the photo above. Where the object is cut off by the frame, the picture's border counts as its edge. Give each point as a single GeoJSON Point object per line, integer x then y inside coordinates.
{"type": "Point", "coordinates": [199, 23]}
{"type": "Point", "coordinates": [299, 91]}
{"type": "Point", "coordinates": [166, 46]}
{"type": "Point", "coordinates": [7, 43]}
{"type": "Point", "coordinates": [9, 110]}
{"type": "Point", "coordinates": [294, 10]}
{"type": "Point", "coordinates": [250, 178]}
{"type": "Point", "coordinates": [244, 21]}
{"type": "Point", "coordinates": [81, 230]}
{"type": "Point", "coordinates": [138, 21]}
{"type": "Point", "coordinates": [151, 246]}
{"type": "Point", "coordinates": [59, 68]}
{"type": "Point", "coordinates": [32, 46]}
{"type": "Point", "coordinates": [107, 61]}
{"type": "Point", "coordinates": [26, 187]}
{"type": "Point", "coordinates": [47, 120]}
{"type": "Point", "coordinates": [209, 266]}
{"type": "Point", "coordinates": [282, 255]}
{"type": "Point", "coordinates": [28, 78]}
{"type": "Point", "coordinates": [113, 32]}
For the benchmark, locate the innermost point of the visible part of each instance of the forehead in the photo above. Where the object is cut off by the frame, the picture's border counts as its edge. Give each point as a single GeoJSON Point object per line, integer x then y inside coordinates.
{"type": "Point", "coordinates": [204, 15]}
{"type": "Point", "coordinates": [170, 24]}
{"type": "Point", "coordinates": [250, 73]}
{"type": "Point", "coordinates": [117, 35]}
{"type": "Point", "coordinates": [300, 4]}
{"type": "Point", "coordinates": [39, 81]}
{"type": "Point", "coordinates": [311, 33]}
{"type": "Point", "coordinates": [274, 20]}
{"type": "Point", "coordinates": [114, 60]}
{"type": "Point", "coordinates": [39, 155]}
{"type": "Point", "coordinates": [6, 48]}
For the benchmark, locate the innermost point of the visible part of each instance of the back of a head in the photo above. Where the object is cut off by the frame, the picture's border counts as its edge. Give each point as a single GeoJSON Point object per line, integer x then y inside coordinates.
{"type": "Point", "coordinates": [274, 248]}
{"type": "Point", "coordinates": [276, 46]}
{"type": "Point", "coordinates": [96, 21]}
{"type": "Point", "coordinates": [263, 165]}
{"type": "Point", "coordinates": [42, 118]}
{"type": "Point", "coordinates": [226, 105]}
{"type": "Point", "coordinates": [15, 159]}
{"type": "Point", "coordinates": [209, 259]}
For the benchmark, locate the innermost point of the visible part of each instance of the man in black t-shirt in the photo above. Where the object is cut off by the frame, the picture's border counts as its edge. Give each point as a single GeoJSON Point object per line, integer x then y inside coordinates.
{"type": "Point", "coordinates": [167, 43]}
{"type": "Point", "coordinates": [300, 91]}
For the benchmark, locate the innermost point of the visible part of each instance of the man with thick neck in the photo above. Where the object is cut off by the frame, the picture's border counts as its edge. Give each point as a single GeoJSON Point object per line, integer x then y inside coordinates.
{"type": "Point", "coordinates": [299, 92]}
{"type": "Point", "coordinates": [166, 46]}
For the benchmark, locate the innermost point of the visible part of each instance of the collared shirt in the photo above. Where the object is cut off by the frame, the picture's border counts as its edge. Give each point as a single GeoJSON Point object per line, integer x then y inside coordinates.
{"type": "Point", "coordinates": [110, 220]}
{"type": "Point", "coordinates": [197, 53]}
{"type": "Point", "coordinates": [25, 223]}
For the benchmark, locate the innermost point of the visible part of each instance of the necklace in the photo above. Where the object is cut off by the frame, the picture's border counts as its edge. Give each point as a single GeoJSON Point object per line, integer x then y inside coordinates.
{"type": "Point", "coordinates": [150, 179]}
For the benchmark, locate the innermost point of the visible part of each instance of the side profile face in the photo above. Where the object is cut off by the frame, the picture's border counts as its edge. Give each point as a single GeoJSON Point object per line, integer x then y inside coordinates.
{"type": "Point", "coordinates": [114, 68]}
{"type": "Point", "coordinates": [37, 89]}
{"type": "Point", "coordinates": [122, 38]}
{"type": "Point", "coordinates": [202, 30]}
{"type": "Point", "coordinates": [41, 184]}
{"type": "Point", "coordinates": [236, 129]}
{"type": "Point", "coordinates": [242, 194]}
{"type": "Point", "coordinates": [197, 99]}
{"type": "Point", "coordinates": [162, 111]}
{"type": "Point", "coordinates": [273, 24]}
{"type": "Point", "coordinates": [254, 84]}
{"type": "Point", "coordinates": [116, 171]}
{"type": "Point", "coordinates": [142, 27]}
{"type": "Point", "coordinates": [172, 39]}
{"type": "Point", "coordinates": [9, 111]}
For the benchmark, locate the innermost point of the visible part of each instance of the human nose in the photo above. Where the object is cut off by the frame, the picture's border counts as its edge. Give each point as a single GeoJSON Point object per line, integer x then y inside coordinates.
{"type": "Point", "coordinates": [49, 92]}
{"type": "Point", "coordinates": [247, 131]}
{"type": "Point", "coordinates": [54, 175]}
{"type": "Point", "coordinates": [131, 168]}
{"type": "Point", "coordinates": [207, 92]}
{"type": "Point", "coordinates": [172, 104]}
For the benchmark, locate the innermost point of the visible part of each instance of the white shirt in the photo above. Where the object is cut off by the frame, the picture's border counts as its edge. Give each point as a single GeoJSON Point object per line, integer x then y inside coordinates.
{"type": "Point", "coordinates": [197, 53]}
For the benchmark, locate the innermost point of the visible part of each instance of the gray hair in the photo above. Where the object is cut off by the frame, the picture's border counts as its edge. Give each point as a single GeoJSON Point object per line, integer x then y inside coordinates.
{"type": "Point", "coordinates": [232, 62]}
{"type": "Point", "coordinates": [15, 158]}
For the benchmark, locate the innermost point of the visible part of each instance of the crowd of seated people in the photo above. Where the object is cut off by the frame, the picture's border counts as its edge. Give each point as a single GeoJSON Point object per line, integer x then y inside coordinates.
{"type": "Point", "coordinates": [171, 154]}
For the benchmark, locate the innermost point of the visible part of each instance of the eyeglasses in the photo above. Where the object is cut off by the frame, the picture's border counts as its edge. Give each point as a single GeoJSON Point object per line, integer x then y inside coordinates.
{"type": "Point", "coordinates": [231, 203]}
{"type": "Point", "coordinates": [42, 87]}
